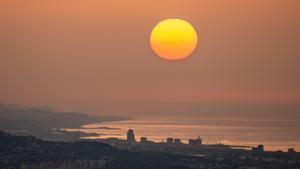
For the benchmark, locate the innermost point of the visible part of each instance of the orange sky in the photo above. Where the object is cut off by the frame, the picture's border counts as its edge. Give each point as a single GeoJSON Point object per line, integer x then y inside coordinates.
{"type": "Point", "coordinates": [83, 55]}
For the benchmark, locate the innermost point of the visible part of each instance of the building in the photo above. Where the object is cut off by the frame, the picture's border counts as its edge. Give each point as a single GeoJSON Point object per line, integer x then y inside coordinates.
{"type": "Point", "coordinates": [173, 141]}
{"type": "Point", "coordinates": [130, 136]}
{"type": "Point", "coordinates": [144, 140]}
{"type": "Point", "coordinates": [291, 151]}
{"type": "Point", "coordinates": [258, 149]}
{"type": "Point", "coordinates": [195, 142]}
{"type": "Point", "coordinates": [170, 140]}
{"type": "Point", "coordinates": [177, 141]}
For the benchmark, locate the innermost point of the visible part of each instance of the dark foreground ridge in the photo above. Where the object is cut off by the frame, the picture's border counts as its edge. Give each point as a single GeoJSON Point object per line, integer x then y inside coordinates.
{"type": "Point", "coordinates": [26, 152]}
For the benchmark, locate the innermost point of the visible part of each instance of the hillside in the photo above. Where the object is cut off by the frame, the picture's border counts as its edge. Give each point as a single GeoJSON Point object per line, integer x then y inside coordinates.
{"type": "Point", "coordinates": [29, 152]}
{"type": "Point", "coordinates": [15, 117]}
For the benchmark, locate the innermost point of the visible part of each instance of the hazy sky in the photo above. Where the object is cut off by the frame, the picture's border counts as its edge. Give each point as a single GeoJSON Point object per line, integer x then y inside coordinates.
{"type": "Point", "coordinates": [94, 56]}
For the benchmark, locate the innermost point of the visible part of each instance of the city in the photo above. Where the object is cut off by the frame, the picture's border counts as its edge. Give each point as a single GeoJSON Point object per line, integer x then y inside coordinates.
{"type": "Point", "coordinates": [194, 147]}
{"type": "Point", "coordinates": [27, 152]}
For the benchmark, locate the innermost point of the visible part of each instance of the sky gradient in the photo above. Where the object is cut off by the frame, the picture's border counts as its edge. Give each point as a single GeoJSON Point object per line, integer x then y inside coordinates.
{"type": "Point", "coordinates": [95, 56]}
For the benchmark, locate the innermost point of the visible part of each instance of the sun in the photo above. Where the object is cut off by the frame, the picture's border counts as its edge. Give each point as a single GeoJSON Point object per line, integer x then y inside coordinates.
{"type": "Point", "coordinates": [173, 39]}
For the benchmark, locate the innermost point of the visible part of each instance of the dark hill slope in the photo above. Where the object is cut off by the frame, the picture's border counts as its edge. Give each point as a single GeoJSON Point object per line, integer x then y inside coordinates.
{"type": "Point", "coordinates": [17, 151]}
{"type": "Point", "coordinates": [15, 117]}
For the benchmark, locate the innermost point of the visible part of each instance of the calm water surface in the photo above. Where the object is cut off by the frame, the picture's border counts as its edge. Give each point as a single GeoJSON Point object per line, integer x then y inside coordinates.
{"type": "Point", "coordinates": [274, 134]}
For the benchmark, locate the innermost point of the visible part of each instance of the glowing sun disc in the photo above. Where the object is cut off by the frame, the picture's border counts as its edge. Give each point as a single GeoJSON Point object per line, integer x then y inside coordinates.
{"type": "Point", "coordinates": [173, 39]}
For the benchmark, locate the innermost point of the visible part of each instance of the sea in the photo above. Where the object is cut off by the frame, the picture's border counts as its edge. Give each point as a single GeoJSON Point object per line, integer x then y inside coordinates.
{"type": "Point", "coordinates": [274, 134]}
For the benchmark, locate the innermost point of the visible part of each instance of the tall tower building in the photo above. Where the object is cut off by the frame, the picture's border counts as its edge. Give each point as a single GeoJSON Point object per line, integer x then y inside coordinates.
{"type": "Point", "coordinates": [130, 136]}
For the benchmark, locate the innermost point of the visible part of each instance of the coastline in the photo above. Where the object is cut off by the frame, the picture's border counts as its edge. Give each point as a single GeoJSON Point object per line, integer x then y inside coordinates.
{"type": "Point", "coordinates": [210, 134]}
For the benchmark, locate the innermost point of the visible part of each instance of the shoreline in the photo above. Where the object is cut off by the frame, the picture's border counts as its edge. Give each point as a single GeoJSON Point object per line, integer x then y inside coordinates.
{"type": "Point", "coordinates": [158, 134]}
